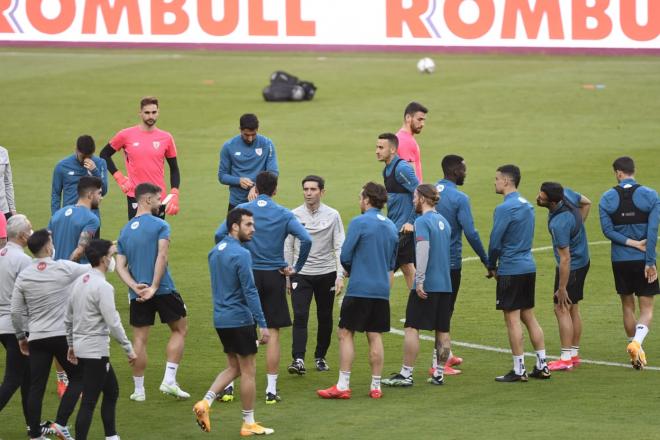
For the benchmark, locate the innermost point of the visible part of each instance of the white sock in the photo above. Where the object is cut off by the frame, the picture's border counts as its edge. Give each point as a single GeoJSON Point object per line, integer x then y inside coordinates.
{"type": "Point", "coordinates": [114, 437]}
{"type": "Point", "coordinates": [344, 381]}
{"type": "Point", "coordinates": [439, 371]}
{"type": "Point", "coordinates": [62, 377]}
{"type": "Point", "coordinates": [231, 384]}
{"type": "Point", "coordinates": [210, 397]}
{"type": "Point", "coordinates": [435, 359]}
{"type": "Point", "coordinates": [406, 371]}
{"type": "Point", "coordinates": [565, 354]}
{"type": "Point", "coordinates": [271, 386]}
{"type": "Point", "coordinates": [540, 359]}
{"type": "Point", "coordinates": [248, 416]}
{"type": "Point", "coordinates": [575, 350]}
{"type": "Point", "coordinates": [139, 384]}
{"type": "Point", "coordinates": [170, 373]}
{"type": "Point", "coordinates": [519, 364]}
{"type": "Point", "coordinates": [375, 382]}
{"type": "Point", "coordinates": [640, 333]}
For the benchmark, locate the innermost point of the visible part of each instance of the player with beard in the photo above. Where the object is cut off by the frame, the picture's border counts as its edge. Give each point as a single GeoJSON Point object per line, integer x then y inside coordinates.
{"type": "Point", "coordinates": [454, 206]}
{"type": "Point", "coordinates": [236, 310]}
{"type": "Point", "coordinates": [368, 256]}
{"type": "Point", "coordinates": [146, 148]}
{"type": "Point", "coordinates": [74, 226]}
{"type": "Point", "coordinates": [511, 263]}
{"type": "Point", "coordinates": [430, 304]}
{"type": "Point", "coordinates": [242, 158]}
{"type": "Point", "coordinates": [414, 118]}
{"type": "Point", "coordinates": [69, 171]}
{"type": "Point", "coordinates": [142, 252]}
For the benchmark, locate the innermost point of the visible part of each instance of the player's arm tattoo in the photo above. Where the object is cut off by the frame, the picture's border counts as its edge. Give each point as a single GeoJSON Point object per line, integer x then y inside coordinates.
{"type": "Point", "coordinates": [83, 241]}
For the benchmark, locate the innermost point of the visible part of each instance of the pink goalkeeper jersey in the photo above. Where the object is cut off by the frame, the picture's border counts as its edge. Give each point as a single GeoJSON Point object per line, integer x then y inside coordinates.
{"type": "Point", "coordinates": [409, 151]}
{"type": "Point", "coordinates": [145, 153]}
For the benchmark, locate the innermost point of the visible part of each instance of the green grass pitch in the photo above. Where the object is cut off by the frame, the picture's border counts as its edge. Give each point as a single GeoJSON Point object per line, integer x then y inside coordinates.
{"type": "Point", "coordinates": [491, 109]}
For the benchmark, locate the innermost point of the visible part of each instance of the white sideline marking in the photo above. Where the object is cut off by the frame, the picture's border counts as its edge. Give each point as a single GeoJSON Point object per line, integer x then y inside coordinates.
{"type": "Point", "coordinates": [538, 249]}
{"type": "Point", "coordinates": [506, 350]}
{"type": "Point", "coordinates": [396, 331]}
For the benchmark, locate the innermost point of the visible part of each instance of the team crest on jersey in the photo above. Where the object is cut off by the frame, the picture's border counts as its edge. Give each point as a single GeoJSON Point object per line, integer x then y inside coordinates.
{"type": "Point", "coordinates": [381, 217]}
{"type": "Point", "coordinates": [259, 151]}
{"type": "Point", "coordinates": [222, 246]}
{"type": "Point", "coordinates": [294, 285]}
{"type": "Point", "coordinates": [135, 225]}
{"type": "Point", "coordinates": [441, 225]}
{"type": "Point", "coordinates": [262, 203]}
{"type": "Point", "coordinates": [440, 188]}
{"type": "Point", "coordinates": [68, 212]}
{"type": "Point", "coordinates": [156, 144]}
{"type": "Point", "coordinates": [85, 278]}
{"type": "Point", "coordinates": [3, 252]}
{"type": "Point", "coordinates": [41, 266]}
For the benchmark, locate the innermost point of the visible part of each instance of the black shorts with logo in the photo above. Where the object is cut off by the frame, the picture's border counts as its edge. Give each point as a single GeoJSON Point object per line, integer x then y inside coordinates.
{"type": "Point", "coordinates": [239, 340]}
{"type": "Point", "coordinates": [575, 286]}
{"type": "Point", "coordinates": [629, 278]}
{"type": "Point", "coordinates": [406, 249]}
{"type": "Point", "coordinates": [515, 292]}
{"type": "Point", "coordinates": [170, 308]}
{"type": "Point", "coordinates": [432, 313]}
{"type": "Point", "coordinates": [271, 285]}
{"type": "Point", "coordinates": [365, 314]}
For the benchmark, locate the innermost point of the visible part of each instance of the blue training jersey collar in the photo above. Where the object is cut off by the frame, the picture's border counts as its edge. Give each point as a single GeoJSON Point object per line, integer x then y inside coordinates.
{"type": "Point", "coordinates": [446, 182]}
{"type": "Point", "coordinates": [629, 181]}
{"type": "Point", "coordinates": [515, 194]}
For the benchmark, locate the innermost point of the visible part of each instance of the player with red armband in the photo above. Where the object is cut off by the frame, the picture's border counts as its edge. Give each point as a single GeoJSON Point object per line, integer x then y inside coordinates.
{"type": "Point", "coordinates": [145, 149]}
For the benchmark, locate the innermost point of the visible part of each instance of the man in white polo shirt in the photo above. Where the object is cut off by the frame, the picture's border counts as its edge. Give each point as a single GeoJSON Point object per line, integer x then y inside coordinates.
{"type": "Point", "coordinates": [322, 276]}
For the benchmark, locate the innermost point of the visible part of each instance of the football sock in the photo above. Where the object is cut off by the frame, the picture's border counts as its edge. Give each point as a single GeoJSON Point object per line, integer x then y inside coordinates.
{"type": "Point", "coordinates": [435, 358]}
{"type": "Point", "coordinates": [575, 349]}
{"type": "Point", "coordinates": [210, 397]}
{"type": "Point", "coordinates": [114, 437]}
{"type": "Point", "coordinates": [640, 333]}
{"type": "Point", "coordinates": [565, 354]}
{"type": "Point", "coordinates": [519, 364]}
{"type": "Point", "coordinates": [62, 377]}
{"type": "Point", "coordinates": [248, 416]}
{"type": "Point", "coordinates": [139, 384]}
{"type": "Point", "coordinates": [272, 383]}
{"type": "Point", "coordinates": [344, 381]}
{"type": "Point", "coordinates": [375, 382]}
{"type": "Point", "coordinates": [540, 359]}
{"type": "Point", "coordinates": [406, 371]}
{"type": "Point", "coordinates": [170, 373]}
{"type": "Point", "coordinates": [439, 371]}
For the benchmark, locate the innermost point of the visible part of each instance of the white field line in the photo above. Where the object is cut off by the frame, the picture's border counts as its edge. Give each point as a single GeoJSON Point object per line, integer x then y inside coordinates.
{"type": "Point", "coordinates": [396, 331]}
{"type": "Point", "coordinates": [506, 350]}
{"type": "Point", "coordinates": [538, 249]}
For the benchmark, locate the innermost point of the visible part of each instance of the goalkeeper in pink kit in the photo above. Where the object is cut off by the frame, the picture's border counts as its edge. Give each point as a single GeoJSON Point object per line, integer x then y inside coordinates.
{"type": "Point", "coordinates": [145, 150]}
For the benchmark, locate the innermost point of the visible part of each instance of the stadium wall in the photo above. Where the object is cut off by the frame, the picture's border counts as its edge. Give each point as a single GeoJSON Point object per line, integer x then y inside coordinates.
{"type": "Point", "coordinates": [598, 26]}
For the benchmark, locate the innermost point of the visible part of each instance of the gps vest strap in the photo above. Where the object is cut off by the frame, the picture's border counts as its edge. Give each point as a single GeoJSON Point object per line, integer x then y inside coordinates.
{"type": "Point", "coordinates": [391, 184]}
{"type": "Point", "coordinates": [627, 213]}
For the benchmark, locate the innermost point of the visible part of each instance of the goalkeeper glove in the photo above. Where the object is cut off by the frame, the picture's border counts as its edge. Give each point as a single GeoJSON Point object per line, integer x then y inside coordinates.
{"type": "Point", "coordinates": [123, 182]}
{"type": "Point", "coordinates": [172, 207]}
